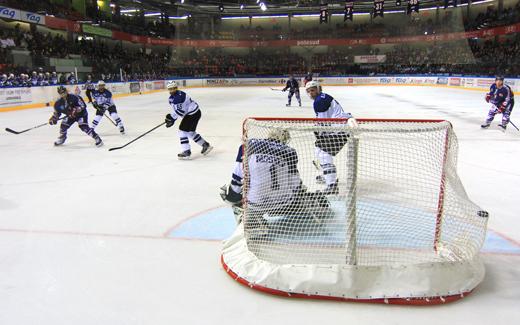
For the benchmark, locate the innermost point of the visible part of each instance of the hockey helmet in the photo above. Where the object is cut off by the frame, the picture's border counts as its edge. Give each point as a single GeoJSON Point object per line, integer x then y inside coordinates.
{"type": "Point", "coordinates": [311, 84]}
{"type": "Point", "coordinates": [171, 85]}
{"type": "Point", "coordinates": [101, 85]}
{"type": "Point", "coordinates": [280, 135]}
{"type": "Point", "coordinates": [62, 90]}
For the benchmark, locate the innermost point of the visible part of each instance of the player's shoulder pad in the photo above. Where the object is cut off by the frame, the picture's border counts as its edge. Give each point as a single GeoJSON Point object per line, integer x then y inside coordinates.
{"type": "Point", "coordinates": [60, 102]}
{"type": "Point", "coordinates": [75, 100]}
{"type": "Point", "coordinates": [257, 145]}
{"type": "Point", "coordinates": [322, 102]}
{"type": "Point", "coordinates": [179, 97]}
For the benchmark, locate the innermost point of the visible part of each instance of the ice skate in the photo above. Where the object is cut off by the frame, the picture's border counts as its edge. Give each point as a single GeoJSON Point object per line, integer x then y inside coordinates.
{"type": "Point", "coordinates": [206, 148]}
{"type": "Point", "coordinates": [185, 155]}
{"type": "Point", "coordinates": [99, 142]}
{"type": "Point", "coordinates": [61, 140]}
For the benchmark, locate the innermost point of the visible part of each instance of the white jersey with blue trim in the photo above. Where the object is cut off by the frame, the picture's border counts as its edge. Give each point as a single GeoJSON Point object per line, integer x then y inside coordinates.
{"type": "Point", "coordinates": [182, 104]}
{"type": "Point", "coordinates": [104, 98]}
{"type": "Point", "coordinates": [273, 174]}
{"type": "Point", "coordinates": [325, 106]}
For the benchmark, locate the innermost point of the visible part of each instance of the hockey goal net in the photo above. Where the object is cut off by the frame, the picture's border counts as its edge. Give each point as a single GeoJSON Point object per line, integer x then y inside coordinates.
{"type": "Point", "coordinates": [373, 212]}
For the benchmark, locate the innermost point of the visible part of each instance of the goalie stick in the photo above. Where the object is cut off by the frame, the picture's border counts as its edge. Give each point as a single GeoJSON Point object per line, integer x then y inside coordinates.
{"type": "Point", "coordinates": [139, 137]}
{"type": "Point", "coordinates": [29, 129]}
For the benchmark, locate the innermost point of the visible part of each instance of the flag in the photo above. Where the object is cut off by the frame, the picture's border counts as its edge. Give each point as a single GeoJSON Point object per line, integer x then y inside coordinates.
{"type": "Point", "coordinates": [349, 11]}
{"type": "Point", "coordinates": [413, 5]}
{"type": "Point", "coordinates": [324, 14]}
{"type": "Point", "coordinates": [379, 6]}
{"type": "Point", "coordinates": [447, 3]}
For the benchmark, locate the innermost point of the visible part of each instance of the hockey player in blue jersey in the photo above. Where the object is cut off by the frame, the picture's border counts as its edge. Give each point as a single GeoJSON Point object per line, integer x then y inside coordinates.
{"type": "Point", "coordinates": [102, 101]}
{"type": "Point", "coordinates": [502, 101]}
{"type": "Point", "coordinates": [328, 144]}
{"type": "Point", "coordinates": [186, 108]}
{"type": "Point", "coordinates": [294, 89]}
{"type": "Point", "coordinates": [75, 110]}
{"type": "Point", "coordinates": [274, 184]}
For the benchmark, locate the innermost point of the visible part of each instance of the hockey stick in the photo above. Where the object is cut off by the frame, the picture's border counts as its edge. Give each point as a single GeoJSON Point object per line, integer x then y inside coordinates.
{"type": "Point", "coordinates": [513, 124]}
{"type": "Point", "coordinates": [320, 179]}
{"type": "Point", "coordinates": [316, 164]}
{"type": "Point", "coordinates": [275, 89]}
{"type": "Point", "coordinates": [29, 129]}
{"type": "Point", "coordinates": [97, 107]}
{"type": "Point", "coordinates": [108, 117]}
{"type": "Point", "coordinates": [139, 137]}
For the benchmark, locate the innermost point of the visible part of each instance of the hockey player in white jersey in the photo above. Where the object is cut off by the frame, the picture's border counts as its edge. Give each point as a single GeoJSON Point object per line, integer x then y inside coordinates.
{"type": "Point", "coordinates": [275, 187]}
{"type": "Point", "coordinates": [103, 101]}
{"type": "Point", "coordinates": [185, 107]}
{"type": "Point", "coordinates": [328, 144]}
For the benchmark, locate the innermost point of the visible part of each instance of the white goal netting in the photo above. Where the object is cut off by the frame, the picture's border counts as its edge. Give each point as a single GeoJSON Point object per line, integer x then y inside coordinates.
{"type": "Point", "coordinates": [380, 196]}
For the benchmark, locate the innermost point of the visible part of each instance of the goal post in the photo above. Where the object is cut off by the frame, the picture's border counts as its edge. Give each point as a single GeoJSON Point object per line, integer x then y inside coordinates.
{"type": "Point", "coordinates": [397, 228]}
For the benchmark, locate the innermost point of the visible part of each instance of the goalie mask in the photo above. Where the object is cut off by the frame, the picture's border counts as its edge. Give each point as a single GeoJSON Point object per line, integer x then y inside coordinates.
{"type": "Point", "coordinates": [280, 135]}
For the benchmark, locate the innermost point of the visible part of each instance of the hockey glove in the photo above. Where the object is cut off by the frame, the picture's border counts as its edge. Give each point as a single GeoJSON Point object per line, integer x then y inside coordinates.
{"type": "Point", "coordinates": [169, 120]}
{"type": "Point", "coordinates": [228, 195]}
{"type": "Point", "coordinates": [100, 110]}
{"type": "Point", "coordinates": [53, 120]}
{"type": "Point", "coordinates": [488, 97]}
{"type": "Point", "coordinates": [502, 108]}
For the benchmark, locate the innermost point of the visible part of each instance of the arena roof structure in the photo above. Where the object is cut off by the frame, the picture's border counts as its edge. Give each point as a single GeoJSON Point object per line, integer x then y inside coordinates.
{"type": "Point", "coordinates": [265, 7]}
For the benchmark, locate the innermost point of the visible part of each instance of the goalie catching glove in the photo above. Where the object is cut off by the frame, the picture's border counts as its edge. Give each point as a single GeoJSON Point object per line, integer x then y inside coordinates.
{"type": "Point", "coordinates": [169, 120]}
{"type": "Point", "coordinates": [228, 195]}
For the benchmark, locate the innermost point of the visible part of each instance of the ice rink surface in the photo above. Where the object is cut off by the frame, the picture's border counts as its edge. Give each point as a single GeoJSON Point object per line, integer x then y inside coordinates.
{"type": "Point", "coordinates": [88, 236]}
